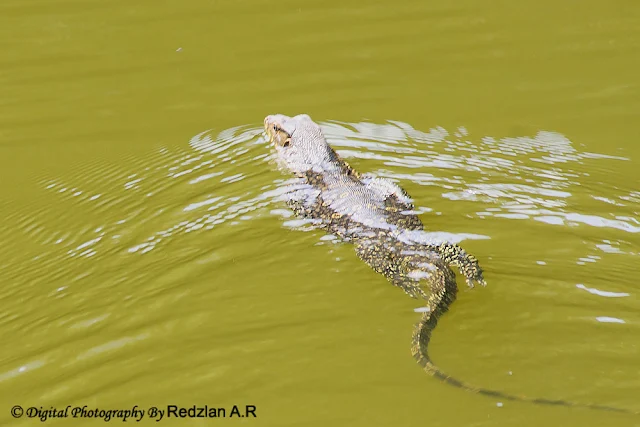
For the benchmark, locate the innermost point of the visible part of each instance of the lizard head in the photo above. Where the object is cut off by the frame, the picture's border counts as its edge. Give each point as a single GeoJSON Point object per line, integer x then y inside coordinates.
{"type": "Point", "coordinates": [299, 142]}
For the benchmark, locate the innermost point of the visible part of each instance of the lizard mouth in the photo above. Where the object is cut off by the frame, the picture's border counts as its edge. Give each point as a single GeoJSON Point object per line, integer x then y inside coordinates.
{"type": "Point", "coordinates": [277, 136]}
{"type": "Point", "coordinates": [268, 129]}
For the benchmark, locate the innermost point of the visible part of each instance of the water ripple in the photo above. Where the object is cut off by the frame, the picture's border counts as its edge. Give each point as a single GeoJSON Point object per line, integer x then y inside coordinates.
{"type": "Point", "coordinates": [229, 177]}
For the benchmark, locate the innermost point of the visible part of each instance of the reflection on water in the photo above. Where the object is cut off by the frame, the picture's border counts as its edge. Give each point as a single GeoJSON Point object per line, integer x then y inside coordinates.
{"type": "Point", "coordinates": [602, 293]}
{"type": "Point", "coordinates": [230, 177]}
{"type": "Point", "coordinates": [515, 178]}
{"type": "Point", "coordinates": [226, 179]}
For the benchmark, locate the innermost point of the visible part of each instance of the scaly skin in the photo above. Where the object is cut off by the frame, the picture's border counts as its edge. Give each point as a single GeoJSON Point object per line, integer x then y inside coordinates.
{"type": "Point", "coordinates": [375, 215]}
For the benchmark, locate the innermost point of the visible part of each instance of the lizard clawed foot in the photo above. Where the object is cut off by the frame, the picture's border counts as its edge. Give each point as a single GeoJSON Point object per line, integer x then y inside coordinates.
{"type": "Point", "coordinates": [480, 280]}
{"type": "Point", "coordinates": [466, 263]}
{"type": "Point", "coordinates": [472, 272]}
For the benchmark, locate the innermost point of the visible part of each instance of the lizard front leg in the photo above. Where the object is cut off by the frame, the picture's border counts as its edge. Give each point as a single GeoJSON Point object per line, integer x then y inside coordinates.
{"type": "Point", "coordinates": [467, 264]}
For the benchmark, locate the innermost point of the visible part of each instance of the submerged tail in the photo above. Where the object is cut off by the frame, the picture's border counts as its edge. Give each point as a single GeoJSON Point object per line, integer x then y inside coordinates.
{"type": "Point", "coordinates": [419, 347]}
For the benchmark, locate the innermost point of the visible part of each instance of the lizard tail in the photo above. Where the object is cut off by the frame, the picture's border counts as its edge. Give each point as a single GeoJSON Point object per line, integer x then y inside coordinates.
{"type": "Point", "coordinates": [419, 350]}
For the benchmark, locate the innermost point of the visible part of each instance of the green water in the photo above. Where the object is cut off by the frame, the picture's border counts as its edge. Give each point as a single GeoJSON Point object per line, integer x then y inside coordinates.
{"type": "Point", "coordinates": [146, 257]}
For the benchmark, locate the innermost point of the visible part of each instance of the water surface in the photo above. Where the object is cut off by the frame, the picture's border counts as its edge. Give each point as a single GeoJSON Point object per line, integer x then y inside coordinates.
{"type": "Point", "coordinates": [147, 257]}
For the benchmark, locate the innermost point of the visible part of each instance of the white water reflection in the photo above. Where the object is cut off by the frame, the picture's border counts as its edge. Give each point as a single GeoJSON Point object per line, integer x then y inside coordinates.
{"type": "Point", "coordinates": [602, 293]}
{"type": "Point", "coordinates": [606, 319]}
{"type": "Point", "coordinates": [521, 178]}
{"type": "Point", "coordinates": [229, 177]}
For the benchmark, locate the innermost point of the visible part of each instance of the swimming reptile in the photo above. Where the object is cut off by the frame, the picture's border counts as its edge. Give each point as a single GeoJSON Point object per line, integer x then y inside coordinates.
{"type": "Point", "coordinates": [377, 216]}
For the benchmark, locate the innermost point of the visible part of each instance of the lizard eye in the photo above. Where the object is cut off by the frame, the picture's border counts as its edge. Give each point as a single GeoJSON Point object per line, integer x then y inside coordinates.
{"type": "Point", "coordinates": [275, 128]}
